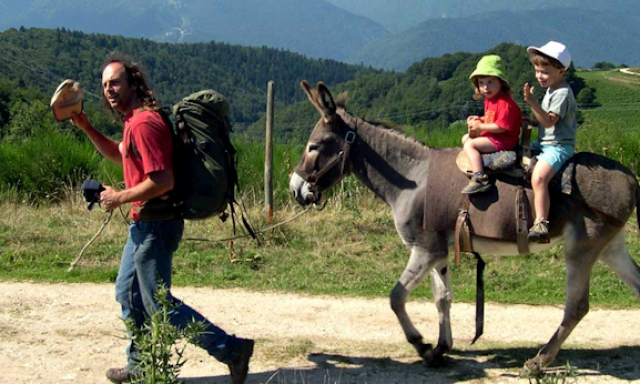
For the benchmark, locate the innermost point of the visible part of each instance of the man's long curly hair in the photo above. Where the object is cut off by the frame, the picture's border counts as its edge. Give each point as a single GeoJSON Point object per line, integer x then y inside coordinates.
{"type": "Point", "coordinates": [136, 79]}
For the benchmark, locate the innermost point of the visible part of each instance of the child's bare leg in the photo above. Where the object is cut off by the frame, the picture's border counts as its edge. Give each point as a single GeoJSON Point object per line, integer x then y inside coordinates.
{"type": "Point", "coordinates": [464, 139]}
{"type": "Point", "coordinates": [543, 172]}
{"type": "Point", "coordinates": [474, 149]}
{"type": "Point", "coordinates": [542, 175]}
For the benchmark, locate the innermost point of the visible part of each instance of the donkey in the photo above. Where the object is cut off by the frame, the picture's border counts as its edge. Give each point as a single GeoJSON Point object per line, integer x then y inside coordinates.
{"type": "Point", "coordinates": [397, 169]}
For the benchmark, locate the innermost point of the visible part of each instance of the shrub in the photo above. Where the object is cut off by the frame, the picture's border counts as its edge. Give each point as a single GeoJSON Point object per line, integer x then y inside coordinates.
{"type": "Point", "coordinates": [161, 345]}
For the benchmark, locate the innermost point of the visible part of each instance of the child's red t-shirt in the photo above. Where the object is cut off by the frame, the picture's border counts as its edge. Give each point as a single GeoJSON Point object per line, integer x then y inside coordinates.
{"type": "Point", "coordinates": [505, 113]}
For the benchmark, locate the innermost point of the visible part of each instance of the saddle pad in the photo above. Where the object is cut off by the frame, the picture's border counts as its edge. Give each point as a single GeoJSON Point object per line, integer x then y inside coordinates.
{"type": "Point", "coordinates": [503, 161]}
{"type": "Point", "coordinates": [492, 214]}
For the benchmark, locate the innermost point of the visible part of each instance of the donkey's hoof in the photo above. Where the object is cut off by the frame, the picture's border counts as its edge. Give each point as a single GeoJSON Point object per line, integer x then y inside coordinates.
{"type": "Point", "coordinates": [532, 368]}
{"type": "Point", "coordinates": [432, 357]}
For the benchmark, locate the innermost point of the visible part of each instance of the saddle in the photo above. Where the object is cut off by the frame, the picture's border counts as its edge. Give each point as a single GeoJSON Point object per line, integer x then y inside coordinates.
{"type": "Point", "coordinates": [517, 165]}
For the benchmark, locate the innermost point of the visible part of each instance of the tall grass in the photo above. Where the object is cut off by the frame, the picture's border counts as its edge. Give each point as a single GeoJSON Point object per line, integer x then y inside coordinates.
{"type": "Point", "coordinates": [44, 167]}
{"type": "Point", "coordinates": [251, 162]}
{"type": "Point", "coordinates": [49, 165]}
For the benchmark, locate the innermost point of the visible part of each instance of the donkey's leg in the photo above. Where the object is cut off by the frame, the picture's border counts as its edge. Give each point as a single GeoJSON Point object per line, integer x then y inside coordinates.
{"type": "Point", "coordinates": [421, 262]}
{"type": "Point", "coordinates": [584, 241]}
{"type": "Point", "coordinates": [617, 257]}
{"type": "Point", "coordinates": [442, 295]}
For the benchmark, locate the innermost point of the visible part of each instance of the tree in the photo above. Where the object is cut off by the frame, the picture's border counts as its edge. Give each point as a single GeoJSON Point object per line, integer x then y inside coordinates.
{"type": "Point", "coordinates": [27, 118]}
{"type": "Point", "coordinates": [603, 66]}
{"type": "Point", "coordinates": [585, 97]}
{"type": "Point", "coordinates": [5, 95]}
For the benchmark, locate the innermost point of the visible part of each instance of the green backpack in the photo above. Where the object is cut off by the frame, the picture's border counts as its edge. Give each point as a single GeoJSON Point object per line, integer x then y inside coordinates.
{"type": "Point", "coordinates": [204, 158]}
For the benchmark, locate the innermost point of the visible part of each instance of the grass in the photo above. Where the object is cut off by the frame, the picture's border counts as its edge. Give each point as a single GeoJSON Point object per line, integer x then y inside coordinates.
{"type": "Point", "coordinates": [340, 251]}
{"type": "Point", "coordinates": [612, 128]}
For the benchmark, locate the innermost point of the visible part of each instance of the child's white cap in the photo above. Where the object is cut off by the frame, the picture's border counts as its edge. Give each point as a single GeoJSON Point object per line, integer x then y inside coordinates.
{"type": "Point", "coordinates": [555, 50]}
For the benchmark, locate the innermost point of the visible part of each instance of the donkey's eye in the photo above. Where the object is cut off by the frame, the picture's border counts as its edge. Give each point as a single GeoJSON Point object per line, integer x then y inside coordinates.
{"type": "Point", "coordinates": [313, 147]}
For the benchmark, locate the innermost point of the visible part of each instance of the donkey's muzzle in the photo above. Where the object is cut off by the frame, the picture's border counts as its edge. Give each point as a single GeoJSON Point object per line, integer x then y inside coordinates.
{"type": "Point", "coordinates": [301, 191]}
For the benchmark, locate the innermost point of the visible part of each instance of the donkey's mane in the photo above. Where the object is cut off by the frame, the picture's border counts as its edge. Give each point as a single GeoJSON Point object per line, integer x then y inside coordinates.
{"type": "Point", "coordinates": [387, 126]}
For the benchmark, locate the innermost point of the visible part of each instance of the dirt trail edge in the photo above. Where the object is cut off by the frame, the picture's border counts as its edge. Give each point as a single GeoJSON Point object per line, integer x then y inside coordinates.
{"type": "Point", "coordinates": [71, 333]}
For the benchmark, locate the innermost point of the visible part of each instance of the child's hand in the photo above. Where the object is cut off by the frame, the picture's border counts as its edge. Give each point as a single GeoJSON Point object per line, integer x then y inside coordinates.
{"type": "Point", "coordinates": [474, 125]}
{"type": "Point", "coordinates": [474, 128]}
{"type": "Point", "coordinates": [471, 120]}
{"type": "Point", "coordinates": [529, 97]}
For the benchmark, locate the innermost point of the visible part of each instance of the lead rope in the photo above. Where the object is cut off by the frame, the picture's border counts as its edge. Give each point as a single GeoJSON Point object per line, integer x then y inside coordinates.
{"type": "Point", "coordinates": [77, 259]}
{"type": "Point", "coordinates": [106, 221]}
{"type": "Point", "coordinates": [261, 231]}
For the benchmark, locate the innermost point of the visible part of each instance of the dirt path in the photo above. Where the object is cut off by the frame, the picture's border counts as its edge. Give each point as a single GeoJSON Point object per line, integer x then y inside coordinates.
{"type": "Point", "coordinates": [629, 72]}
{"type": "Point", "coordinates": [69, 333]}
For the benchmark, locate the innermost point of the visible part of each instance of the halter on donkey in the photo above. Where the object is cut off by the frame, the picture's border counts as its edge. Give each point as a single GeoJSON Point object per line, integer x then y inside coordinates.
{"type": "Point", "coordinates": [401, 171]}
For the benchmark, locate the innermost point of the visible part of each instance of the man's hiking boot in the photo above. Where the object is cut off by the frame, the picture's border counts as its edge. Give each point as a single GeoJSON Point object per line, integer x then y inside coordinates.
{"type": "Point", "coordinates": [477, 184]}
{"type": "Point", "coordinates": [120, 375]}
{"type": "Point", "coordinates": [239, 365]}
{"type": "Point", "coordinates": [539, 233]}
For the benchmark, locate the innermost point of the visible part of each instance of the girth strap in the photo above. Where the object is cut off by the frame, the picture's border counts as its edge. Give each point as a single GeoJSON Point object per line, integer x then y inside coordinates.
{"type": "Point", "coordinates": [522, 220]}
{"type": "Point", "coordinates": [462, 236]}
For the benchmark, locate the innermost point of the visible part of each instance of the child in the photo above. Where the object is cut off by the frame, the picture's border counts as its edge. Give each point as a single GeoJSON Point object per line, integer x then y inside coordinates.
{"type": "Point", "coordinates": [499, 128]}
{"type": "Point", "coordinates": [556, 119]}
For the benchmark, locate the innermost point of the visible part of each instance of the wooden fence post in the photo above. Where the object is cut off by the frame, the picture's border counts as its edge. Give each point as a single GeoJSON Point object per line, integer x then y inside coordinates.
{"type": "Point", "coordinates": [268, 160]}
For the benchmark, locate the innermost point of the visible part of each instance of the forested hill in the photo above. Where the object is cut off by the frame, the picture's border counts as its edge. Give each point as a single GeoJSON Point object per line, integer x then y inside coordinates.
{"type": "Point", "coordinates": [431, 94]}
{"type": "Point", "coordinates": [41, 59]}
{"type": "Point", "coordinates": [315, 28]}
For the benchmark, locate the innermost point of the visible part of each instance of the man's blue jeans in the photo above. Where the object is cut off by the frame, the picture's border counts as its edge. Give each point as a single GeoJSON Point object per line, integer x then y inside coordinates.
{"type": "Point", "coordinates": [146, 261]}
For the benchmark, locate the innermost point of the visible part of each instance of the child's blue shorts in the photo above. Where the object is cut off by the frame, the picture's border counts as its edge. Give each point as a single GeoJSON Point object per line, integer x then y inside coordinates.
{"type": "Point", "coordinates": [556, 155]}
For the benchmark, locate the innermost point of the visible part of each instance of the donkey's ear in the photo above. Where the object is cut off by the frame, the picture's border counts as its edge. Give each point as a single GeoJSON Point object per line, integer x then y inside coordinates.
{"type": "Point", "coordinates": [308, 90]}
{"type": "Point", "coordinates": [325, 101]}
{"type": "Point", "coordinates": [312, 94]}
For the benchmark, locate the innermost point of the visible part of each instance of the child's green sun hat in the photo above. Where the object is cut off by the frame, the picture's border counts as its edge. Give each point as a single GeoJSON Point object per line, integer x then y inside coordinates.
{"type": "Point", "coordinates": [490, 65]}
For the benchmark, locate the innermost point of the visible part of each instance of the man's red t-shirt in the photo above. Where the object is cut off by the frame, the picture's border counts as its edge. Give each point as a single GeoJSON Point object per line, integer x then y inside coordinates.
{"type": "Point", "coordinates": [505, 113]}
{"type": "Point", "coordinates": [154, 147]}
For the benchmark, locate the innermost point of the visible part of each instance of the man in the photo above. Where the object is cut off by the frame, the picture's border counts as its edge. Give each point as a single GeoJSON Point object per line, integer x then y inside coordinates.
{"type": "Point", "coordinates": [146, 156]}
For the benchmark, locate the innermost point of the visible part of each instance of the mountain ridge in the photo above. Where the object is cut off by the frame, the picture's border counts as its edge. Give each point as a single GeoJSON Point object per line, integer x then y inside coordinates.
{"type": "Point", "coordinates": [401, 15]}
{"type": "Point", "coordinates": [590, 35]}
